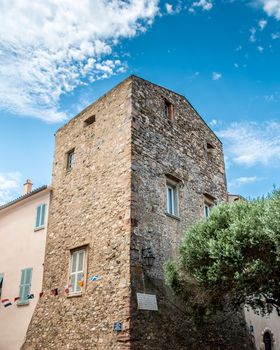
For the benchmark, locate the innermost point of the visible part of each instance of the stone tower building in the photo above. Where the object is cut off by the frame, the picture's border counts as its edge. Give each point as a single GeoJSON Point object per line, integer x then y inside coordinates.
{"type": "Point", "coordinates": [131, 173]}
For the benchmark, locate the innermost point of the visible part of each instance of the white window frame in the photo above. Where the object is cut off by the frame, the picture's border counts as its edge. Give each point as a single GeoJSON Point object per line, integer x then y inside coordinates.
{"type": "Point", "coordinates": [40, 218]}
{"type": "Point", "coordinates": [172, 207]}
{"type": "Point", "coordinates": [77, 274]}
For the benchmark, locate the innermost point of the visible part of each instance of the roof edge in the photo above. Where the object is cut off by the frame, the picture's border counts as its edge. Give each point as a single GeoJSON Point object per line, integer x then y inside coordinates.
{"type": "Point", "coordinates": [21, 198]}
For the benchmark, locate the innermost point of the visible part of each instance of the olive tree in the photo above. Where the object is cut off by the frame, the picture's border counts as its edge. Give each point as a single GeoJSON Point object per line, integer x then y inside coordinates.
{"type": "Point", "coordinates": [233, 255]}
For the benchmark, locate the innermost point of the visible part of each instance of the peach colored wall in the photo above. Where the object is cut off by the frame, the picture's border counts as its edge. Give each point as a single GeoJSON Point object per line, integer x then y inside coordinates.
{"type": "Point", "coordinates": [261, 324]}
{"type": "Point", "coordinates": [21, 247]}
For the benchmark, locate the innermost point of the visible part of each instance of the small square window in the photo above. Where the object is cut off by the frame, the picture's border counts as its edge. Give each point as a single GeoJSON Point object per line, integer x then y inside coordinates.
{"type": "Point", "coordinates": [171, 198]}
{"type": "Point", "coordinates": [89, 120]}
{"type": "Point", "coordinates": [70, 159]}
{"type": "Point", "coordinates": [77, 271]}
{"type": "Point", "coordinates": [168, 110]}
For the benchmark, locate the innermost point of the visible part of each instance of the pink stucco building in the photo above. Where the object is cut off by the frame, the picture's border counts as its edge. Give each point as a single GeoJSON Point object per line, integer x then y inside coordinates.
{"type": "Point", "coordinates": [23, 228]}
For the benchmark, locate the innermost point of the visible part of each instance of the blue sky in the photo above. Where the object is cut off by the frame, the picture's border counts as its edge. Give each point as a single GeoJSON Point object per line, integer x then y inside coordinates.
{"type": "Point", "coordinates": [58, 57]}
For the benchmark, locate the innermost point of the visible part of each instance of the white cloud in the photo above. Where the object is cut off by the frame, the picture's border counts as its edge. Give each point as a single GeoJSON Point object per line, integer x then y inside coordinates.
{"type": "Point", "coordinates": [275, 36]}
{"type": "Point", "coordinates": [260, 48]}
{"type": "Point", "coordinates": [169, 8]}
{"type": "Point", "coordinates": [251, 143]}
{"type": "Point", "coordinates": [243, 180]}
{"type": "Point", "coordinates": [216, 76]}
{"type": "Point", "coordinates": [272, 97]}
{"type": "Point", "coordinates": [48, 48]}
{"type": "Point", "coordinates": [215, 122]}
{"type": "Point", "coordinates": [262, 24]}
{"type": "Point", "coordinates": [172, 9]}
{"type": "Point", "coordinates": [205, 5]}
{"type": "Point", "coordinates": [9, 186]}
{"type": "Point", "coordinates": [271, 7]}
{"type": "Point", "coordinates": [252, 34]}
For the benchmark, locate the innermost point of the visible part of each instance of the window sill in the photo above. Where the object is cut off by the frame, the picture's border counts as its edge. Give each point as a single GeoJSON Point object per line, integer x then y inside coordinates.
{"type": "Point", "coordinates": [23, 303]}
{"type": "Point", "coordinates": [38, 228]}
{"type": "Point", "coordinates": [74, 295]}
{"type": "Point", "coordinates": [172, 216]}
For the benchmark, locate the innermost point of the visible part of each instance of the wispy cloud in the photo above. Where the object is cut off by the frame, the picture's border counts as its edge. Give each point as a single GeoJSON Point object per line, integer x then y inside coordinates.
{"type": "Point", "coordinates": [205, 5]}
{"type": "Point", "coordinates": [243, 180]}
{"type": "Point", "coordinates": [215, 122]}
{"type": "Point", "coordinates": [48, 48]}
{"type": "Point", "coordinates": [252, 37]}
{"type": "Point", "coordinates": [272, 97]}
{"type": "Point", "coordinates": [171, 9]}
{"type": "Point", "coordinates": [9, 186]}
{"type": "Point", "coordinates": [251, 143]}
{"type": "Point", "coordinates": [216, 76]}
{"type": "Point", "coordinates": [262, 24]}
{"type": "Point", "coordinates": [275, 36]}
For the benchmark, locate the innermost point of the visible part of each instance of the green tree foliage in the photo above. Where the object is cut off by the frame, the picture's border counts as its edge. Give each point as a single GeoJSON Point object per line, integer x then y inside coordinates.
{"type": "Point", "coordinates": [233, 255]}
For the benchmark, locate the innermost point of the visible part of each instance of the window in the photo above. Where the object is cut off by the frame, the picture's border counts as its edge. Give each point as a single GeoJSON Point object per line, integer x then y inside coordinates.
{"type": "Point", "coordinates": [168, 110]}
{"type": "Point", "coordinates": [207, 209]}
{"type": "Point", "coordinates": [210, 149]}
{"type": "Point", "coordinates": [208, 204]}
{"type": "Point", "coordinates": [171, 198]}
{"type": "Point", "coordinates": [40, 216]}
{"type": "Point", "coordinates": [1, 283]}
{"type": "Point", "coordinates": [89, 120]}
{"type": "Point", "coordinates": [70, 159]}
{"type": "Point", "coordinates": [77, 270]}
{"type": "Point", "coordinates": [24, 287]}
{"type": "Point", "coordinates": [267, 341]}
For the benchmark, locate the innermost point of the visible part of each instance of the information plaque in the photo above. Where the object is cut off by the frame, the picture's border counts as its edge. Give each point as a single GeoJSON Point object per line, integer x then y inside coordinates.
{"type": "Point", "coordinates": [147, 302]}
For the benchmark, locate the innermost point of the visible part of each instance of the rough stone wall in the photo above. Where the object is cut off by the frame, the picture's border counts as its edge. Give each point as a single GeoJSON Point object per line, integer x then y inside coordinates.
{"type": "Point", "coordinates": [177, 147]}
{"type": "Point", "coordinates": [90, 205]}
{"type": "Point", "coordinates": [113, 201]}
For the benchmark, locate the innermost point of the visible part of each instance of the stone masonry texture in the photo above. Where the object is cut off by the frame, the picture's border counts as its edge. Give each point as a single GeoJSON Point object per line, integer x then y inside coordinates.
{"type": "Point", "coordinates": [113, 203]}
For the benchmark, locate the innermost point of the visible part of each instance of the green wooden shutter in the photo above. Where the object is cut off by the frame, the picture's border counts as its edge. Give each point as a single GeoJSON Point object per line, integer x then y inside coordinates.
{"type": "Point", "coordinates": [43, 209]}
{"type": "Point", "coordinates": [25, 285]}
{"type": "Point", "coordinates": [38, 216]}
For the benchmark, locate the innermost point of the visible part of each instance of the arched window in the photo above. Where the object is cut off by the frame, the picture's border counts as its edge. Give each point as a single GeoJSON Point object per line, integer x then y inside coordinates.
{"type": "Point", "coordinates": [267, 341]}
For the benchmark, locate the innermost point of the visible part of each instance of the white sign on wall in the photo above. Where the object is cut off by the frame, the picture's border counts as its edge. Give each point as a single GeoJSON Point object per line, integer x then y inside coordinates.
{"type": "Point", "coordinates": [147, 302]}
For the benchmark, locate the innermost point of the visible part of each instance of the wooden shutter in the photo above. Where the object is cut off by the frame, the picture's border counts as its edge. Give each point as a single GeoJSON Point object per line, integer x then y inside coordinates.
{"type": "Point", "coordinates": [38, 216]}
{"type": "Point", "coordinates": [43, 209]}
{"type": "Point", "coordinates": [25, 285]}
